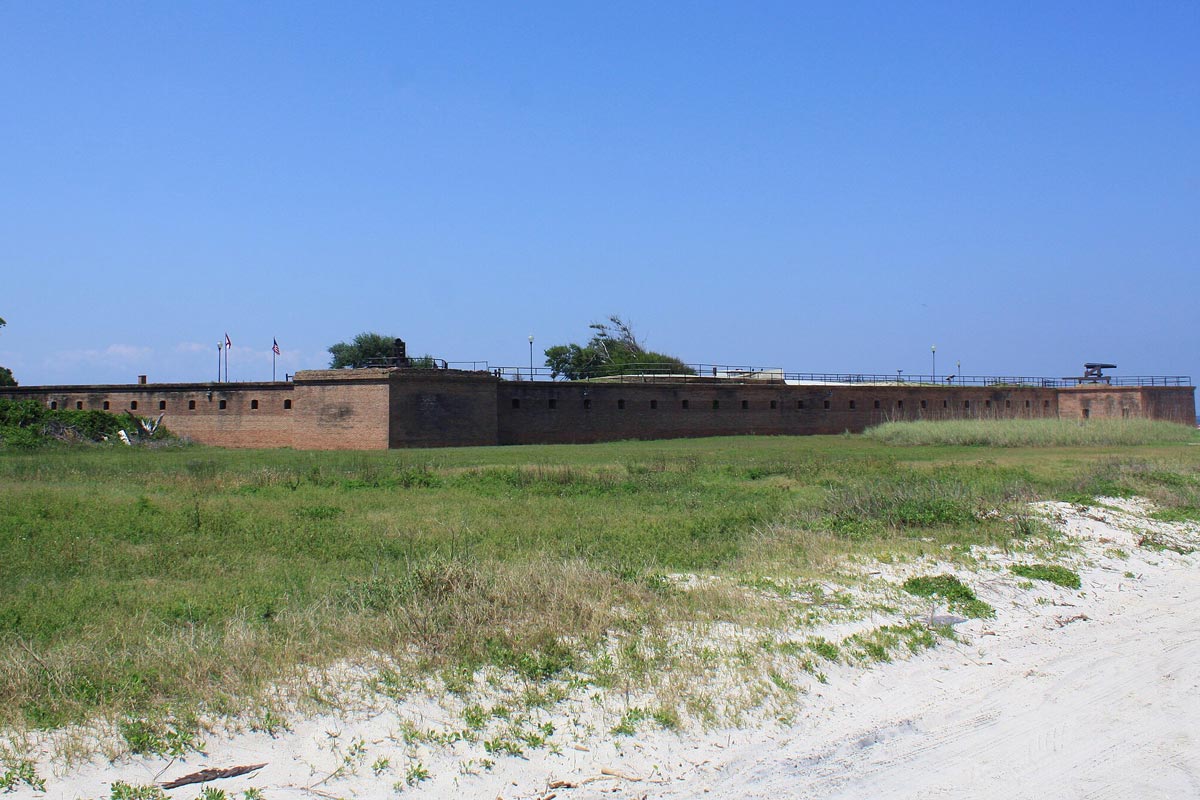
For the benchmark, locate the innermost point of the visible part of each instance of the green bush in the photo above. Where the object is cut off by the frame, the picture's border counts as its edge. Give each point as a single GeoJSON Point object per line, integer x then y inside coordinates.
{"type": "Point", "coordinates": [27, 424]}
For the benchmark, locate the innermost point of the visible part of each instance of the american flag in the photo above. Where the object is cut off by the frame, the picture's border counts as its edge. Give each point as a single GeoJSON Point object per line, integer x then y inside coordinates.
{"type": "Point", "coordinates": [228, 344]}
{"type": "Point", "coordinates": [275, 347]}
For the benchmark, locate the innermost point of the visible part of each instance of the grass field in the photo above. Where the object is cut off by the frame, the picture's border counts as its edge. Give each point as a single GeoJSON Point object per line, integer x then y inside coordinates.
{"type": "Point", "coordinates": [134, 581]}
{"type": "Point", "coordinates": [1032, 432]}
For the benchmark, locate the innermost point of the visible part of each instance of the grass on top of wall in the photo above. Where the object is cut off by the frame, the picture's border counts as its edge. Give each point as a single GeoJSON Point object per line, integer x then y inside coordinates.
{"type": "Point", "coordinates": [1032, 432]}
{"type": "Point", "coordinates": [133, 580]}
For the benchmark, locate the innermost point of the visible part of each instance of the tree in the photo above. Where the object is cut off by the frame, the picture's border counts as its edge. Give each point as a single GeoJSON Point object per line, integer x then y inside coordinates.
{"type": "Point", "coordinates": [373, 349]}
{"type": "Point", "coordinates": [612, 350]}
{"type": "Point", "coordinates": [362, 350]}
{"type": "Point", "coordinates": [6, 376]}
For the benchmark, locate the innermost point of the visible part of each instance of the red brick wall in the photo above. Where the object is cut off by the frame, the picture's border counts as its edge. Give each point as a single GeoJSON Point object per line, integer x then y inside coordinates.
{"type": "Point", "coordinates": [379, 408]}
{"type": "Point", "coordinates": [437, 408]}
{"type": "Point", "coordinates": [1170, 403]}
{"type": "Point", "coordinates": [236, 425]}
{"type": "Point", "coordinates": [341, 409]}
{"type": "Point", "coordinates": [593, 412]}
{"type": "Point", "coordinates": [1173, 403]}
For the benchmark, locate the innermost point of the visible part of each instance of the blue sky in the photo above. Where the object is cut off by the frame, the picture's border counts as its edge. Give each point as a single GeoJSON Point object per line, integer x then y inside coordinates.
{"type": "Point", "coordinates": [822, 187]}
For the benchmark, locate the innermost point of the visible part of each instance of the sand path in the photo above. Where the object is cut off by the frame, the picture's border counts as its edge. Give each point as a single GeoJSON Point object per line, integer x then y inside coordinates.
{"type": "Point", "coordinates": [1103, 708]}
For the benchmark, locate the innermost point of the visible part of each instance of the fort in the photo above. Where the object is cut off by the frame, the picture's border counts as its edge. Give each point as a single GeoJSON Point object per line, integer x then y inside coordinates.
{"type": "Point", "coordinates": [396, 407]}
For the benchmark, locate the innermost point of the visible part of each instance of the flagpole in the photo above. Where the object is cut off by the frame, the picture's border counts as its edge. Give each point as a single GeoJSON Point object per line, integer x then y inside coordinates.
{"type": "Point", "coordinates": [272, 365]}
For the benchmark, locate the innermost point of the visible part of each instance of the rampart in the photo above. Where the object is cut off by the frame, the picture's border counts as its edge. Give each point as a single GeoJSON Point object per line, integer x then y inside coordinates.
{"type": "Point", "coordinates": [368, 409]}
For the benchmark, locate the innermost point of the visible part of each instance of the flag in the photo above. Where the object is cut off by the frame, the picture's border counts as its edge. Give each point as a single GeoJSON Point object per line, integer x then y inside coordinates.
{"type": "Point", "coordinates": [228, 344]}
{"type": "Point", "coordinates": [275, 347]}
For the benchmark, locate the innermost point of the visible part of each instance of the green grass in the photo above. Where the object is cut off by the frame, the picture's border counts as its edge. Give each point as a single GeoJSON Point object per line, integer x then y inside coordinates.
{"type": "Point", "coordinates": [957, 595]}
{"type": "Point", "coordinates": [139, 584]}
{"type": "Point", "coordinates": [1032, 432]}
{"type": "Point", "coordinates": [1048, 572]}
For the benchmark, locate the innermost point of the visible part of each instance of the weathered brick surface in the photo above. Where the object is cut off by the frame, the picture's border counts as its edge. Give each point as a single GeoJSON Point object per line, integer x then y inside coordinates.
{"type": "Point", "coordinates": [341, 409]}
{"type": "Point", "coordinates": [599, 412]}
{"type": "Point", "coordinates": [1171, 403]}
{"type": "Point", "coordinates": [438, 408]}
{"type": "Point", "coordinates": [238, 424]}
{"type": "Point", "coordinates": [377, 408]}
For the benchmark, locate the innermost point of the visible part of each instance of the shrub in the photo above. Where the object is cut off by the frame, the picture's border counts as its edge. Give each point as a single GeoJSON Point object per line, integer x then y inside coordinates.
{"type": "Point", "coordinates": [1048, 572]}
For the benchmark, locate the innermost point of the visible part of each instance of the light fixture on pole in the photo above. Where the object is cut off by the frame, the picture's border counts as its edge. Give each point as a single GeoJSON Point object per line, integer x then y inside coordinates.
{"type": "Point", "coordinates": [220, 347]}
{"type": "Point", "coordinates": [531, 356]}
{"type": "Point", "coordinates": [933, 352]}
{"type": "Point", "coordinates": [958, 370]}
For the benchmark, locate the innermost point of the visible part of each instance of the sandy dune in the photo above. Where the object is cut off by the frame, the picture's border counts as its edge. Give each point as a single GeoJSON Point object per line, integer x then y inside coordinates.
{"type": "Point", "coordinates": [1068, 694]}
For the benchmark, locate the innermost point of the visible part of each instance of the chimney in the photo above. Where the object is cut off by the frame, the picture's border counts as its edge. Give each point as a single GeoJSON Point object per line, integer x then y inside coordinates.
{"type": "Point", "coordinates": [141, 379]}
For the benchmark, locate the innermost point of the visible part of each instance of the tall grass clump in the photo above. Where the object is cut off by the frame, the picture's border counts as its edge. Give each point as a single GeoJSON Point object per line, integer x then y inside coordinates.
{"type": "Point", "coordinates": [1031, 432]}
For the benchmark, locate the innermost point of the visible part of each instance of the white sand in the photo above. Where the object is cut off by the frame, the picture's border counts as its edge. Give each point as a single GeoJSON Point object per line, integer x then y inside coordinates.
{"type": "Point", "coordinates": [1091, 693]}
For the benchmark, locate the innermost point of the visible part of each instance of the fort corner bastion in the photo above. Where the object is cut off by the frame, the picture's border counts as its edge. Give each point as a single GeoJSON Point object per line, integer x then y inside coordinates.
{"type": "Point", "coordinates": [395, 407]}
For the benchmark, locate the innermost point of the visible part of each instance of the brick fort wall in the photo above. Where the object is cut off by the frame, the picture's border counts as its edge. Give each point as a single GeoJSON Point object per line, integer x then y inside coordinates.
{"type": "Point", "coordinates": [372, 409]}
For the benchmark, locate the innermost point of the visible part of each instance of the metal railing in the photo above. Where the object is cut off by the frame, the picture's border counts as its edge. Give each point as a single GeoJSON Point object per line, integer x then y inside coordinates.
{"type": "Point", "coordinates": [729, 373]}
{"type": "Point", "coordinates": [654, 372]}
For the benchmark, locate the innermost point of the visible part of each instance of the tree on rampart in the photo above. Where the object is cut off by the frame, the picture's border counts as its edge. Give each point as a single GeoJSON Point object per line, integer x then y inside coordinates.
{"type": "Point", "coordinates": [367, 348]}
{"type": "Point", "coordinates": [6, 376]}
{"type": "Point", "coordinates": [613, 349]}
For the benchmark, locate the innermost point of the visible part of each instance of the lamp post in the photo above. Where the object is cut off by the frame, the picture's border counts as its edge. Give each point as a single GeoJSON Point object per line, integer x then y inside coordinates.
{"type": "Point", "coordinates": [531, 356]}
{"type": "Point", "coordinates": [933, 353]}
{"type": "Point", "coordinates": [220, 346]}
{"type": "Point", "coordinates": [898, 375]}
{"type": "Point", "coordinates": [958, 370]}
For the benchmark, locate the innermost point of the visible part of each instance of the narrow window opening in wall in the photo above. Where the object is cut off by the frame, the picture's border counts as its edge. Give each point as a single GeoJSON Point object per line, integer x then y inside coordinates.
{"type": "Point", "coordinates": [774, 404]}
{"type": "Point", "coordinates": [966, 403]}
{"type": "Point", "coordinates": [221, 405]}
{"type": "Point", "coordinates": [826, 405]}
{"type": "Point", "coordinates": [587, 402]}
{"type": "Point", "coordinates": [1125, 412]}
{"type": "Point", "coordinates": [620, 405]}
{"type": "Point", "coordinates": [684, 405]}
{"type": "Point", "coordinates": [191, 405]}
{"type": "Point", "coordinates": [106, 405]}
{"type": "Point", "coordinates": [516, 402]}
{"type": "Point", "coordinates": [287, 404]}
{"type": "Point", "coordinates": [653, 404]}
{"type": "Point", "coordinates": [852, 405]}
{"type": "Point", "coordinates": [716, 404]}
{"type": "Point", "coordinates": [987, 403]}
{"type": "Point", "coordinates": [800, 404]}
{"type": "Point", "coordinates": [1045, 404]}
{"type": "Point", "coordinates": [945, 404]}
{"type": "Point", "coordinates": [1008, 403]}
{"type": "Point", "coordinates": [1087, 412]}
{"type": "Point", "coordinates": [254, 405]}
{"type": "Point", "coordinates": [162, 405]}
{"type": "Point", "coordinates": [745, 404]}
{"type": "Point", "coordinates": [900, 405]}
{"type": "Point", "coordinates": [877, 404]}
{"type": "Point", "coordinates": [1027, 404]}
{"type": "Point", "coordinates": [79, 404]}
{"type": "Point", "coordinates": [133, 405]}
{"type": "Point", "coordinates": [924, 404]}
{"type": "Point", "coordinates": [553, 403]}
{"type": "Point", "coordinates": [53, 405]}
